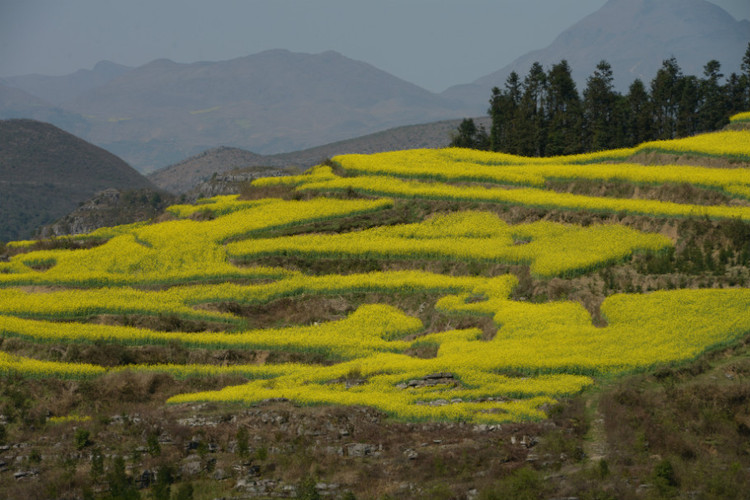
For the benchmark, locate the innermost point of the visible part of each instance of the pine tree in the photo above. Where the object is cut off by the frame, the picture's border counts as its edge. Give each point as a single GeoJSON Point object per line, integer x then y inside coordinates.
{"type": "Point", "coordinates": [639, 115]}
{"type": "Point", "coordinates": [599, 100]}
{"type": "Point", "coordinates": [735, 94]}
{"type": "Point", "coordinates": [530, 117]}
{"type": "Point", "coordinates": [745, 78]}
{"type": "Point", "coordinates": [564, 114]}
{"type": "Point", "coordinates": [469, 136]}
{"type": "Point", "coordinates": [503, 111]}
{"type": "Point", "coordinates": [666, 96]}
{"type": "Point", "coordinates": [465, 137]}
{"type": "Point", "coordinates": [713, 111]}
{"type": "Point", "coordinates": [687, 112]}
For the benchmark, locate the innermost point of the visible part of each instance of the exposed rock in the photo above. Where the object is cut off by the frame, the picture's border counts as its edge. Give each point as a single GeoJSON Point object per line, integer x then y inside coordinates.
{"type": "Point", "coordinates": [146, 479]}
{"type": "Point", "coordinates": [196, 421]}
{"type": "Point", "coordinates": [21, 474]}
{"type": "Point", "coordinates": [219, 475]}
{"type": "Point", "coordinates": [327, 489]}
{"type": "Point", "coordinates": [191, 467]}
{"type": "Point", "coordinates": [230, 182]}
{"type": "Point", "coordinates": [361, 450]}
{"type": "Point", "coordinates": [265, 487]}
{"type": "Point", "coordinates": [110, 207]}
{"type": "Point", "coordinates": [430, 380]}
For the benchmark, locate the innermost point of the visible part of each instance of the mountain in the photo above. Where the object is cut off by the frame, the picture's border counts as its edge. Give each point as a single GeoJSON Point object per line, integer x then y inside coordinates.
{"type": "Point", "coordinates": [17, 103]}
{"type": "Point", "coordinates": [61, 89]}
{"type": "Point", "coordinates": [635, 37]}
{"type": "Point", "coordinates": [110, 207]}
{"type": "Point", "coordinates": [272, 102]}
{"type": "Point", "coordinates": [46, 172]}
{"type": "Point", "coordinates": [183, 176]}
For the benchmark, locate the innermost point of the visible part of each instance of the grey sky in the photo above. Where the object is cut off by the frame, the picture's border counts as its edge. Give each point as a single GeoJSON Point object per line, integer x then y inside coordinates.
{"type": "Point", "coordinates": [433, 43]}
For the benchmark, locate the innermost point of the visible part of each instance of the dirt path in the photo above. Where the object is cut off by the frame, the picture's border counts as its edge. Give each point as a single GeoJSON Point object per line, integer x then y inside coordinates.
{"type": "Point", "coordinates": [595, 445]}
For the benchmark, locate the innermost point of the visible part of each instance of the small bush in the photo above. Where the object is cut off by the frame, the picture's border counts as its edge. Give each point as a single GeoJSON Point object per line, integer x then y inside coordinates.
{"type": "Point", "coordinates": [120, 485]}
{"type": "Point", "coordinates": [97, 464]}
{"type": "Point", "coordinates": [152, 444]}
{"type": "Point", "coordinates": [243, 448]}
{"type": "Point", "coordinates": [82, 438]}
{"type": "Point", "coordinates": [523, 484]}
{"type": "Point", "coordinates": [664, 478]}
{"type": "Point", "coordinates": [184, 492]}
{"type": "Point", "coordinates": [164, 480]}
{"type": "Point", "coordinates": [306, 489]}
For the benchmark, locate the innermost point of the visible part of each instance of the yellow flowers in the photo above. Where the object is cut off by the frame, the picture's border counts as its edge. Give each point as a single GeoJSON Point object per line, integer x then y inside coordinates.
{"type": "Point", "coordinates": [727, 143]}
{"type": "Point", "coordinates": [374, 353]}
{"type": "Point", "coordinates": [389, 186]}
{"type": "Point", "coordinates": [68, 418]}
{"type": "Point", "coordinates": [457, 165]}
{"type": "Point", "coordinates": [175, 251]}
{"type": "Point", "coordinates": [740, 117]}
{"type": "Point", "coordinates": [380, 174]}
{"type": "Point", "coordinates": [371, 328]}
{"type": "Point", "coordinates": [551, 249]}
{"type": "Point", "coordinates": [11, 365]}
{"type": "Point", "coordinates": [555, 344]}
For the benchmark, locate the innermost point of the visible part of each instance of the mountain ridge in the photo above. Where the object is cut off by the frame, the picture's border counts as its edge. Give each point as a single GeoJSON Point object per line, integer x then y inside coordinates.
{"type": "Point", "coordinates": [59, 89]}
{"type": "Point", "coordinates": [184, 175]}
{"type": "Point", "coordinates": [635, 37]}
{"type": "Point", "coordinates": [278, 101]}
{"type": "Point", "coordinates": [272, 102]}
{"type": "Point", "coordinates": [45, 172]}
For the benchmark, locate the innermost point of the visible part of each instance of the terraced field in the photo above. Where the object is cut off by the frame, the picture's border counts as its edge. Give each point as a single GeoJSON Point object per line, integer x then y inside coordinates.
{"type": "Point", "coordinates": [437, 277]}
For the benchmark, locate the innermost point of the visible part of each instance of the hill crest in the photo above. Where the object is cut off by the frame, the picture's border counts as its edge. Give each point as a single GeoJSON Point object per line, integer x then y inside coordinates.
{"type": "Point", "coordinates": [45, 172]}
{"type": "Point", "coordinates": [635, 37]}
{"type": "Point", "coordinates": [271, 102]}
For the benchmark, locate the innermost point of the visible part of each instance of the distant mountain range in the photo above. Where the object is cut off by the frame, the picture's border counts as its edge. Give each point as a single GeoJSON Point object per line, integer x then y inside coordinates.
{"type": "Point", "coordinates": [635, 37]}
{"type": "Point", "coordinates": [58, 90]}
{"type": "Point", "coordinates": [278, 101]}
{"type": "Point", "coordinates": [271, 102]}
{"type": "Point", "coordinates": [46, 172]}
{"type": "Point", "coordinates": [185, 175]}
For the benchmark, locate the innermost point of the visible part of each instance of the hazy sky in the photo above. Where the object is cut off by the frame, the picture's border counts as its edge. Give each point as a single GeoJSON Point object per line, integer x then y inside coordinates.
{"type": "Point", "coordinates": [433, 43]}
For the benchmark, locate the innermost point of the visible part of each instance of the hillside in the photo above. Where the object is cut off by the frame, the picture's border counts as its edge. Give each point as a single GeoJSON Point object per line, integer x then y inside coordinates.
{"type": "Point", "coordinates": [272, 102]}
{"type": "Point", "coordinates": [16, 103]}
{"type": "Point", "coordinates": [634, 36]}
{"type": "Point", "coordinates": [422, 324]}
{"type": "Point", "coordinates": [46, 172]}
{"type": "Point", "coordinates": [183, 176]}
{"type": "Point", "coordinates": [58, 90]}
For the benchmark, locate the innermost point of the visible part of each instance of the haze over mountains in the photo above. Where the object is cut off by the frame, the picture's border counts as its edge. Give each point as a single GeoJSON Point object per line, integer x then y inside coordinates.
{"type": "Point", "coordinates": [277, 101]}
{"type": "Point", "coordinates": [634, 36]}
{"type": "Point", "coordinates": [58, 90]}
{"type": "Point", "coordinates": [184, 175]}
{"type": "Point", "coordinates": [271, 102]}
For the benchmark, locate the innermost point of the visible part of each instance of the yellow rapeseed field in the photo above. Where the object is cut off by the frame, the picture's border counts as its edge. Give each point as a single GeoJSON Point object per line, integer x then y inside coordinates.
{"type": "Point", "coordinates": [550, 249]}
{"type": "Point", "coordinates": [525, 356]}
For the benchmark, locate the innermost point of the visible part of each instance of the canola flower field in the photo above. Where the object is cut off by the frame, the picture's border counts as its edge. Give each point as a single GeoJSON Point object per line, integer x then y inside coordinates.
{"type": "Point", "coordinates": [209, 254]}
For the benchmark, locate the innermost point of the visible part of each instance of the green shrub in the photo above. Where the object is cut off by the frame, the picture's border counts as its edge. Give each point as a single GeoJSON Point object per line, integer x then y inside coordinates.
{"type": "Point", "coordinates": [306, 489]}
{"type": "Point", "coordinates": [152, 444]}
{"type": "Point", "coordinates": [81, 438]}
{"type": "Point", "coordinates": [522, 484]}
{"type": "Point", "coordinates": [243, 448]}
{"type": "Point", "coordinates": [184, 492]}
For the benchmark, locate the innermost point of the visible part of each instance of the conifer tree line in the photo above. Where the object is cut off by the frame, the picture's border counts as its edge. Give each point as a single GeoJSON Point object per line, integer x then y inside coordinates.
{"type": "Point", "coordinates": [544, 115]}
